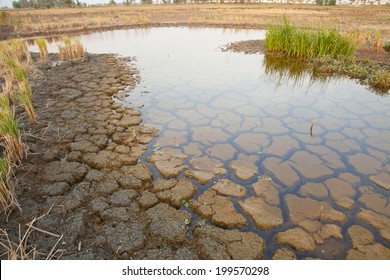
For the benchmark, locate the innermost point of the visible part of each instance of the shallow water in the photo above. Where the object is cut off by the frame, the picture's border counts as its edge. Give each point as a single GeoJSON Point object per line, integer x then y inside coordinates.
{"type": "Point", "coordinates": [310, 141]}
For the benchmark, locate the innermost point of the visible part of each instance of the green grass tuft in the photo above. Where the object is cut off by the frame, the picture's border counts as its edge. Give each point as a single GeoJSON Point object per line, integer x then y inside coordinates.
{"type": "Point", "coordinates": [304, 43]}
{"type": "Point", "coordinates": [67, 41]}
{"type": "Point", "coordinates": [42, 48]}
{"type": "Point", "coordinates": [386, 47]}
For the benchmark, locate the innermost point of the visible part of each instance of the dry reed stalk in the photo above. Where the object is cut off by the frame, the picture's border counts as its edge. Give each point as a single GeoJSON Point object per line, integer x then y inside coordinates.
{"type": "Point", "coordinates": [71, 50]}
{"type": "Point", "coordinates": [22, 250]}
{"type": "Point", "coordinates": [25, 99]}
{"type": "Point", "coordinates": [8, 200]}
{"type": "Point", "coordinates": [9, 132]}
{"type": "Point", "coordinates": [43, 53]}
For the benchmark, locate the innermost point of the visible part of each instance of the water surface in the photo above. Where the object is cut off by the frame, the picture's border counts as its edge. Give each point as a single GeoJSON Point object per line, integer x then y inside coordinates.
{"type": "Point", "coordinates": [311, 141]}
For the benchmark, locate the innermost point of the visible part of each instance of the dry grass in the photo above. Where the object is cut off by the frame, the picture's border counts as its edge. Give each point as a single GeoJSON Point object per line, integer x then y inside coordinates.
{"type": "Point", "coordinates": [43, 53]}
{"type": "Point", "coordinates": [22, 250]}
{"type": "Point", "coordinates": [15, 91]}
{"type": "Point", "coordinates": [346, 18]}
{"type": "Point", "coordinates": [8, 198]}
{"type": "Point", "coordinates": [10, 136]}
{"type": "Point", "coordinates": [367, 40]}
{"type": "Point", "coordinates": [15, 63]}
{"type": "Point", "coordinates": [71, 50]}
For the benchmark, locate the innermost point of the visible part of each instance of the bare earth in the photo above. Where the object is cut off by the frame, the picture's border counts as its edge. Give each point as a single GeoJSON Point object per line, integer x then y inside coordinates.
{"type": "Point", "coordinates": [83, 175]}
{"type": "Point", "coordinates": [257, 47]}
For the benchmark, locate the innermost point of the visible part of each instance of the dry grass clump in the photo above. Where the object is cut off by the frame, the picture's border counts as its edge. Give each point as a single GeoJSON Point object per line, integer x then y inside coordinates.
{"type": "Point", "coordinates": [15, 92]}
{"type": "Point", "coordinates": [43, 53]}
{"type": "Point", "coordinates": [367, 40]}
{"type": "Point", "coordinates": [71, 50]}
{"type": "Point", "coordinates": [7, 194]}
{"type": "Point", "coordinates": [9, 132]}
{"type": "Point", "coordinates": [22, 250]}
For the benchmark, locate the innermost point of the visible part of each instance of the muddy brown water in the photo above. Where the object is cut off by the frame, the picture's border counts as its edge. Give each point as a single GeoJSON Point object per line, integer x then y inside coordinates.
{"type": "Point", "coordinates": [272, 150]}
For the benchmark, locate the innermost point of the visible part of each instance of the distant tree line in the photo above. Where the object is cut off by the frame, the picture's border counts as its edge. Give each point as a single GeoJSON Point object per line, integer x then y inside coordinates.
{"type": "Point", "coordinates": [46, 3]}
{"type": "Point", "coordinates": [326, 2]}
{"type": "Point", "coordinates": [39, 4]}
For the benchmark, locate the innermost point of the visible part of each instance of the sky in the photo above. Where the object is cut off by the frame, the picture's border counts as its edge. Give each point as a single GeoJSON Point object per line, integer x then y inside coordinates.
{"type": "Point", "coordinates": [8, 3]}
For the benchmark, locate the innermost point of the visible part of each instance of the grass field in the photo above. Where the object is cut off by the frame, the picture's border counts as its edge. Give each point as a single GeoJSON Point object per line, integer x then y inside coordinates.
{"type": "Point", "coordinates": [363, 19]}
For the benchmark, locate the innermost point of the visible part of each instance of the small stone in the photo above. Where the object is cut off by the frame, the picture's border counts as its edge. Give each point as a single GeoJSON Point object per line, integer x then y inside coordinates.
{"type": "Point", "coordinates": [78, 195]}
{"type": "Point", "coordinates": [378, 221]}
{"type": "Point", "coordinates": [208, 164]}
{"type": "Point", "coordinates": [120, 214]}
{"type": "Point", "coordinates": [298, 239]}
{"type": "Point", "coordinates": [219, 209]}
{"type": "Point", "coordinates": [122, 149]}
{"type": "Point", "coordinates": [122, 197]}
{"type": "Point", "coordinates": [168, 166]}
{"type": "Point", "coordinates": [163, 185]}
{"type": "Point", "coordinates": [128, 120]}
{"type": "Point", "coordinates": [265, 216]}
{"type": "Point", "coordinates": [184, 190]}
{"type": "Point", "coordinates": [284, 254]}
{"type": "Point", "coordinates": [74, 156]}
{"type": "Point", "coordinates": [175, 192]}
{"type": "Point", "coordinates": [309, 165]}
{"type": "Point", "coordinates": [74, 227]}
{"type": "Point", "coordinates": [252, 142]}
{"type": "Point", "coordinates": [382, 180]}
{"type": "Point", "coordinates": [222, 151]}
{"type": "Point", "coordinates": [307, 208]}
{"type": "Point", "coordinates": [129, 181]}
{"type": "Point", "coordinates": [148, 200]}
{"type": "Point", "coordinates": [360, 236]}
{"type": "Point", "coordinates": [376, 202]}
{"type": "Point", "coordinates": [365, 164]}
{"type": "Point", "coordinates": [105, 160]}
{"type": "Point", "coordinates": [267, 189]}
{"type": "Point", "coordinates": [140, 171]}
{"type": "Point", "coordinates": [167, 223]}
{"type": "Point", "coordinates": [327, 231]}
{"type": "Point", "coordinates": [64, 171]}
{"type": "Point", "coordinates": [315, 190]}
{"type": "Point", "coordinates": [216, 243]}
{"type": "Point", "coordinates": [55, 189]}
{"type": "Point", "coordinates": [107, 187]}
{"type": "Point", "coordinates": [309, 225]}
{"type": "Point", "coordinates": [203, 177]}
{"type": "Point", "coordinates": [207, 135]}
{"type": "Point", "coordinates": [369, 252]}
{"type": "Point", "coordinates": [228, 188]}
{"type": "Point", "coordinates": [185, 254]}
{"type": "Point", "coordinates": [341, 191]}
{"type": "Point", "coordinates": [98, 205]}
{"type": "Point", "coordinates": [51, 155]}
{"type": "Point", "coordinates": [282, 171]}
{"type": "Point", "coordinates": [282, 145]}
{"type": "Point", "coordinates": [99, 140]}
{"type": "Point", "coordinates": [84, 147]}
{"type": "Point", "coordinates": [122, 239]}
{"type": "Point", "coordinates": [94, 176]}
{"type": "Point", "coordinates": [244, 167]}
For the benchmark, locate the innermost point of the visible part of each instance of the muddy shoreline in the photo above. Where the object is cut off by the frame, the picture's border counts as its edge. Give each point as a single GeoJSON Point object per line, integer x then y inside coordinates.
{"type": "Point", "coordinates": [91, 178]}
{"type": "Point", "coordinates": [84, 180]}
{"type": "Point", "coordinates": [9, 33]}
{"type": "Point", "coordinates": [248, 47]}
{"type": "Point", "coordinates": [258, 47]}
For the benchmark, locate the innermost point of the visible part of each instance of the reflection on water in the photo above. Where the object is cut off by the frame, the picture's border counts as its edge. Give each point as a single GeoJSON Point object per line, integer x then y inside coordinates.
{"type": "Point", "coordinates": [300, 159]}
{"type": "Point", "coordinates": [282, 69]}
